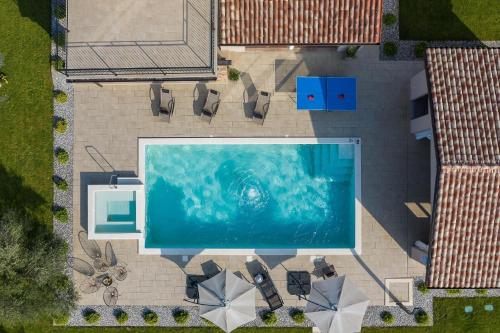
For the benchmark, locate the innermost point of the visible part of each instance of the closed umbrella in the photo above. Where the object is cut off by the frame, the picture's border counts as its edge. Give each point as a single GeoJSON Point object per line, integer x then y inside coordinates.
{"type": "Point", "coordinates": [227, 301]}
{"type": "Point", "coordinates": [336, 305]}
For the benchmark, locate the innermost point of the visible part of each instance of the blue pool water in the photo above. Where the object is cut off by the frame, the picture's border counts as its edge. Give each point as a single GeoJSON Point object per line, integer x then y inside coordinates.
{"type": "Point", "coordinates": [250, 196]}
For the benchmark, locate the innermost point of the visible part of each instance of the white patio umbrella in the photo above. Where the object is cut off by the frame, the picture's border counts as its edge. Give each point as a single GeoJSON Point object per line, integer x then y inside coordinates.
{"type": "Point", "coordinates": [336, 305]}
{"type": "Point", "coordinates": [227, 301]}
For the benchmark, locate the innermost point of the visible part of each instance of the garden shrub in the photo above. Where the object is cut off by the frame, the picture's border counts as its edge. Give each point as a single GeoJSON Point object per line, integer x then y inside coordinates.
{"type": "Point", "coordinates": [422, 287]}
{"type": "Point", "coordinates": [121, 316]}
{"type": "Point", "coordinates": [420, 49]}
{"type": "Point", "coordinates": [91, 316]}
{"type": "Point", "coordinates": [390, 49]}
{"type": "Point", "coordinates": [350, 52]}
{"type": "Point", "coordinates": [62, 156]}
{"type": "Point", "coordinates": [60, 11]}
{"type": "Point", "coordinates": [60, 183]}
{"type": "Point", "coordinates": [61, 125]}
{"type": "Point", "coordinates": [482, 292]}
{"type": "Point", "coordinates": [298, 316]}
{"type": "Point", "coordinates": [58, 63]}
{"type": "Point", "coordinates": [61, 319]}
{"type": "Point", "coordinates": [150, 317]}
{"type": "Point", "coordinates": [453, 291]}
{"type": "Point", "coordinates": [60, 96]}
{"type": "Point", "coordinates": [387, 317]}
{"type": "Point", "coordinates": [421, 317]}
{"type": "Point", "coordinates": [233, 74]}
{"type": "Point", "coordinates": [269, 318]}
{"type": "Point", "coordinates": [207, 322]}
{"type": "Point", "coordinates": [181, 316]}
{"type": "Point", "coordinates": [389, 19]}
{"type": "Point", "coordinates": [61, 214]}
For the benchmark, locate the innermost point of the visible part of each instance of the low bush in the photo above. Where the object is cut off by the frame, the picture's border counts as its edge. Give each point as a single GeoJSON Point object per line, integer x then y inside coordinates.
{"type": "Point", "coordinates": [422, 287]}
{"type": "Point", "coordinates": [61, 125]}
{"type": "Point", "coordinates": [350, 52]}
{"type": "Point", "coordinates": [453, 291]}
{"type": "Point", "coordinates": [390, 49]}
{"type": "Point", "coordinates": [61, 320]}
{"type": "Point", "coordinates": [62, 156]}
{"type": "Point", "coordinates": [60, 183]}
{"type": "Point", "coordinates": [61, 214]}
{"type": "Point", "coordinates": [150, 317]}
{"type": "Point", "coordinates": [60, 11]}
{"type": "Point", "coordinates": [181, 316]}
{"type": "Point", "coordinates": [387, 317]}
{"type": "Point", "coordinates": [421, 317]}
{"type": "Point", "coordinates": [91, 316]}
{"type": "Point", "coordinates": [58, 63]}
{"type": "Point", "coordinates": [389, 19]}
{"type": "Point", "coordinates": [482, 292]}
{"type": "Point", "coordinates": [233, 74]}
{"type": "Point", "coordinates": [419, 49]}
{"type": "Point", "coordinates": [207, 322]}
{"type": "Point", "coordinates": [269, 318]}
{"type": "Point", "coordinates": [298, 316]}
{"type": "Point", "coordinates": [121, 316]}
{"type": "Point", "coordinates": [60, 96]}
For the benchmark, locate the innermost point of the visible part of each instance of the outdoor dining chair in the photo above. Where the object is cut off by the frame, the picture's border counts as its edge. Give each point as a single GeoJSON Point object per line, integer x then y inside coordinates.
{"type": "Point", "coordinates": [167, 104]}
{"type": "Point", "coordinates": [261, 107]}
{"type": "Point", "coordinates": [211, 105]}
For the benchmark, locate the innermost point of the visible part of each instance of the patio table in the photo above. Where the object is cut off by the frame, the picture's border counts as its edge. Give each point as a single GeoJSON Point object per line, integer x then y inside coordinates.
{"type": "Point", "coordinates": [318, 93]}
{"type": "Point", "coordinates": [299, 283]}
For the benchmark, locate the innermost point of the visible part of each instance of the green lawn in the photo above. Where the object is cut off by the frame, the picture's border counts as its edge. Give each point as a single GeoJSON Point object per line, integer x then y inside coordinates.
{"type": "Point", "coordinates": [449, 317]}
{"type": "Point", "coordinates": [26, 117]}
{"type": "Point", "coordinates": [449, 19]}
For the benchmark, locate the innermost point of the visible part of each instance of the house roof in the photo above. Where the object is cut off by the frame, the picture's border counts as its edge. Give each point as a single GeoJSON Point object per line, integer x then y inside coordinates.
{"type": "Point", "coordinates": [287, 22]}
{"type": "Point", "coordinates": [466, 237]}
{"type": "Point", "coordinates": [465, 89]}
{"type": "Point", "coordinates": [465, 241]}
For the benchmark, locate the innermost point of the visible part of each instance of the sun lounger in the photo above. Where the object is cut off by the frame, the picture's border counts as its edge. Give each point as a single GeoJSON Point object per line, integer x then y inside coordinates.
{"type": "Point", "coordinates": [192, 282]}
{"type": "Point", "coordinates": [167, 104]}
{"type": "Point", "coordinates": [268, 290]}
{"type": "Point", "coordinates": [261, 107]}
{"type": "Point", "coordinates": [211, 105]}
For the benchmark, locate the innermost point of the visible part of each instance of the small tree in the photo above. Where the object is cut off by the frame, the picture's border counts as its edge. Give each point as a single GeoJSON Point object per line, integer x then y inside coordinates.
{"type": "Point", "coordinates": [32, 282]}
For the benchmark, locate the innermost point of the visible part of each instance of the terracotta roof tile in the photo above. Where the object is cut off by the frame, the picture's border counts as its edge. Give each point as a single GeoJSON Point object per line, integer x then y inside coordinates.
{"type": "Point", "coordinates": [465, 91]}
{"type": "Point", "coordinates": [465, 240]}
{"type": "Point", "coordinates": [268, 22]}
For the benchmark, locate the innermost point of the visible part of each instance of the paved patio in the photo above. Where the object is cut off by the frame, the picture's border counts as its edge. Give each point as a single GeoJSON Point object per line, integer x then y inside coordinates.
{"type": "Point", "coordinates": [109, 119]}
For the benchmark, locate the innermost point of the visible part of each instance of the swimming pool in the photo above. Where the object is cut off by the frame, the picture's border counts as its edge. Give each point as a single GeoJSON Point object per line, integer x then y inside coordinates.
{"type": "Point", "coordinates": [250, 195]}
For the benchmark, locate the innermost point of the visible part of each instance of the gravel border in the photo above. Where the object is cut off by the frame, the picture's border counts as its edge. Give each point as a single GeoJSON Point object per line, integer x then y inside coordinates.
{"type": "Point", "coordinates": [65, 141]}
{"type": "Point", "coordinates": [166, 319]}
{"type": "Point", "coordinates": [406, 47]}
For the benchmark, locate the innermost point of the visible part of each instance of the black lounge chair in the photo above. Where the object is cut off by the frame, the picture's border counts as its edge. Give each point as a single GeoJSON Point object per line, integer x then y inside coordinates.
{"type": "Point", "coordinates": [261, 107]}
{"type": "Point", "coordinates": [192, 282]}
{"type": "Point", "coordinates": [167, 104]}
{"type": "Point", "coordinates": [298, 283]}
{"type": "Point", "coordinates": [268, 290]}
{"type": "Point", "coordinates": [211, 105]}
{"type": "Point", "coordinates": [329, 271]}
